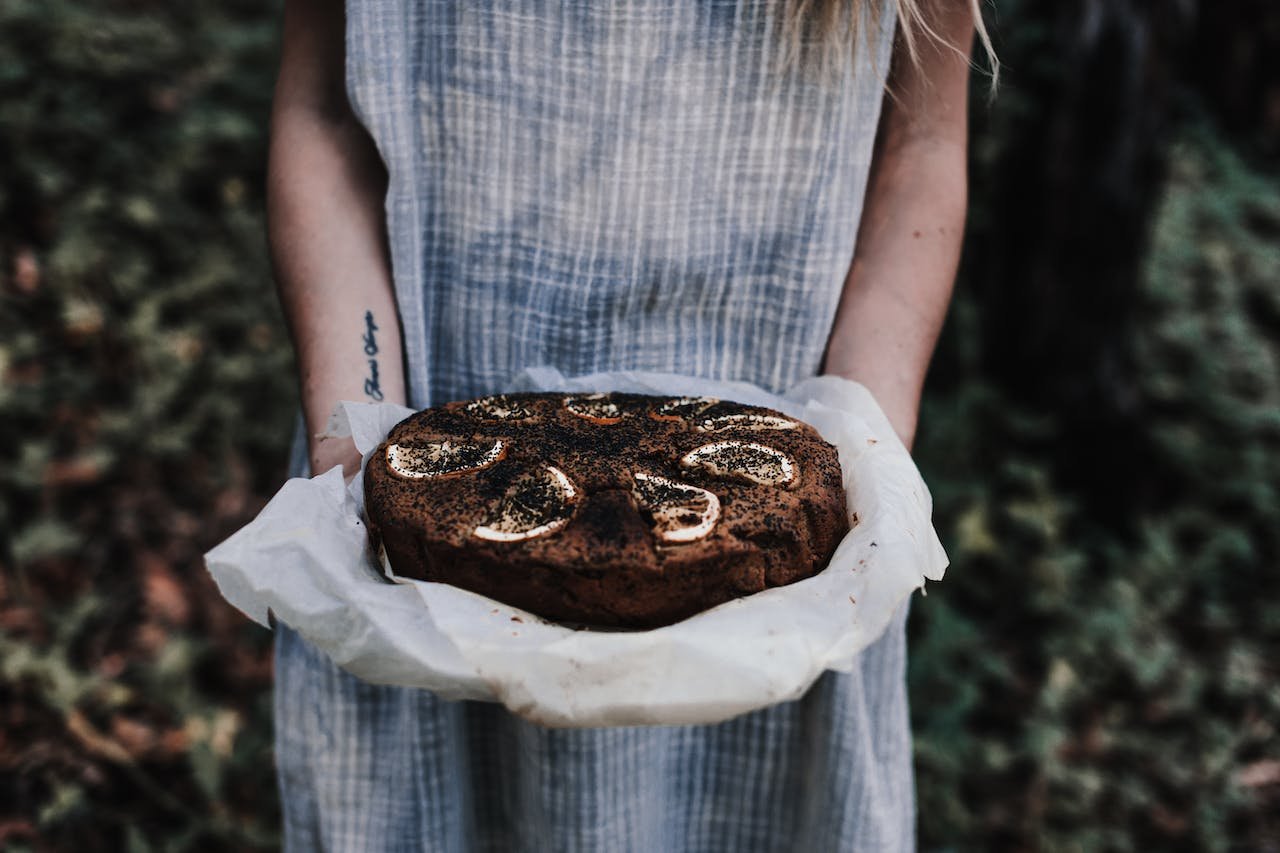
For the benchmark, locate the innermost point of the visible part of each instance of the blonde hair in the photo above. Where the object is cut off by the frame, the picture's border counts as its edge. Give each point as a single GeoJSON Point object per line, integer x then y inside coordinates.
{"type": "Point", "coordinates": [818, 30]}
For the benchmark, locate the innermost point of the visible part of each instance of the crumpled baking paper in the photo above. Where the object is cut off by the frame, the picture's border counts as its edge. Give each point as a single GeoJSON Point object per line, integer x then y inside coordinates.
{"type": "Point", "coordinates": [306, 559]}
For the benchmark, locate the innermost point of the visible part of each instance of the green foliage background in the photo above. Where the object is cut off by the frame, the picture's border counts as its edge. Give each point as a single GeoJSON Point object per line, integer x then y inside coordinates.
{"type": "Point", "coordinates": [145, 401]}
{"type": "Point", "coordinates": [1090, 682]}
{"type": "Point", "coordinates": [1080, 681]}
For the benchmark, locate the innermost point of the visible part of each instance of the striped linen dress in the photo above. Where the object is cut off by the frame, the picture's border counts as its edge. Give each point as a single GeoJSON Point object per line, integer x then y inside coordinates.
{"type": "Point", "coordinates": [599, 186]}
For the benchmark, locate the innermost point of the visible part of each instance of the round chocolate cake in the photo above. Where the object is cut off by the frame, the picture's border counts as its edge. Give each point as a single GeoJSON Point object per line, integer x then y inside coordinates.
{"type": "Point", "coordinates": [605, 509]}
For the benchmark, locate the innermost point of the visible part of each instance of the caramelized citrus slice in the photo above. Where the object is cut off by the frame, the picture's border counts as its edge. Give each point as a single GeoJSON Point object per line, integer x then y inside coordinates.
{"type": "Point", "coordinates": [499, 407]}
{"type": "Point", "coordinates": [742, 460]}
{"type": "Point", "coordinates": [597, 408]}
{"type": "Point", "coordinates": [536, 504]}
{"type": "Point", "coordinates": [746, 421]}
{"type": "Point", "coordinates": [681, 513]}
{"type": "Point", "coordinates": [431, 459]}
{"type": "Point", "coordinates": [682, 408]}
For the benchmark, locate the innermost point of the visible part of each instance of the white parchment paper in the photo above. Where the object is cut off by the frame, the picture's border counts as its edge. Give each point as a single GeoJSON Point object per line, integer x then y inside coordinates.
{"type": "Point", "coordinates": [306, 559]}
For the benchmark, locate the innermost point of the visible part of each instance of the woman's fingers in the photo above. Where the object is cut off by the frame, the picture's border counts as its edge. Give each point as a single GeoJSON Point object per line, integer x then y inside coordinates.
{"type": "Point", "coordinates": [328, 451]}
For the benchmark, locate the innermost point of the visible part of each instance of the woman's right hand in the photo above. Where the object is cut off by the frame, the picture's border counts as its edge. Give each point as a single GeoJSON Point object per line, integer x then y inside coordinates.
{"type": "Point", "coordinates": [326, 451]}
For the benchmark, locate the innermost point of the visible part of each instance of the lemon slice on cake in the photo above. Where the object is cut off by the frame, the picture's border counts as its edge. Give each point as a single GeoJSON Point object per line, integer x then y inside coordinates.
{"type": "Point", "coordinates": [682, 408]}
{"type": "Point", "coordinates": [499, 407]}
{"type": "Point", "coordinates": [742, 460]}
{"type": "Point", "coordinates": [433, 459]}
{"type": "Point", "coordinates": [680, 512]}
{"type": "Point", "coordinates": [745, 421]}
{"type": "Point", "coordinates": [537, 503]}
{"type": "Point", "coordinates": [597, 408]}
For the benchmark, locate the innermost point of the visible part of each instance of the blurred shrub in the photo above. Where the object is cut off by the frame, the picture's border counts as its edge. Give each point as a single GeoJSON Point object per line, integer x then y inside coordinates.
{"type": "Point", "coordinates": [1085, 681]}
{"type": "Point", "coordinates": [146, 393]}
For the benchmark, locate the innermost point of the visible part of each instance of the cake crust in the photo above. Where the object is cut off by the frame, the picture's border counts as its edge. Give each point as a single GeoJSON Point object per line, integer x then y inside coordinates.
{"type": "Point", "coordinates": [620, 510]}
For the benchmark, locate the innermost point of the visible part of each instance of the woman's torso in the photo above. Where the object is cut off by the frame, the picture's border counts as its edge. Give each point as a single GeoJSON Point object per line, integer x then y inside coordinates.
{"type": "Point", "coordinates": [596, 186]}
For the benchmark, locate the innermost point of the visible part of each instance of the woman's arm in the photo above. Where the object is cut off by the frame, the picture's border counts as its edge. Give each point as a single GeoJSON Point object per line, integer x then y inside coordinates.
{"type": "Point", "coordinates": [896, 293]}
{"type": "Point", "coordinates": [326, 226]}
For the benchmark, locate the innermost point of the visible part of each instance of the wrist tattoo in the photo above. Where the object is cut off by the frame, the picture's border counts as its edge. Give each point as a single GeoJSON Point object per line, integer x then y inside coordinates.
{"type": "Point", "coordinates": [372, 387]}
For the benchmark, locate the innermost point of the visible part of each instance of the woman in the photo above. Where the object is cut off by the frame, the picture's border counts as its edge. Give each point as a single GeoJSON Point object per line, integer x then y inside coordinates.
{"type": "Point", "coordinates": [656, 185]}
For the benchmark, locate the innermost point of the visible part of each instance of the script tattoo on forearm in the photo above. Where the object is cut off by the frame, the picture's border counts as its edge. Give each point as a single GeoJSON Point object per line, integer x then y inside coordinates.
{"type": "Point", "coordinates": [372, 387]}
